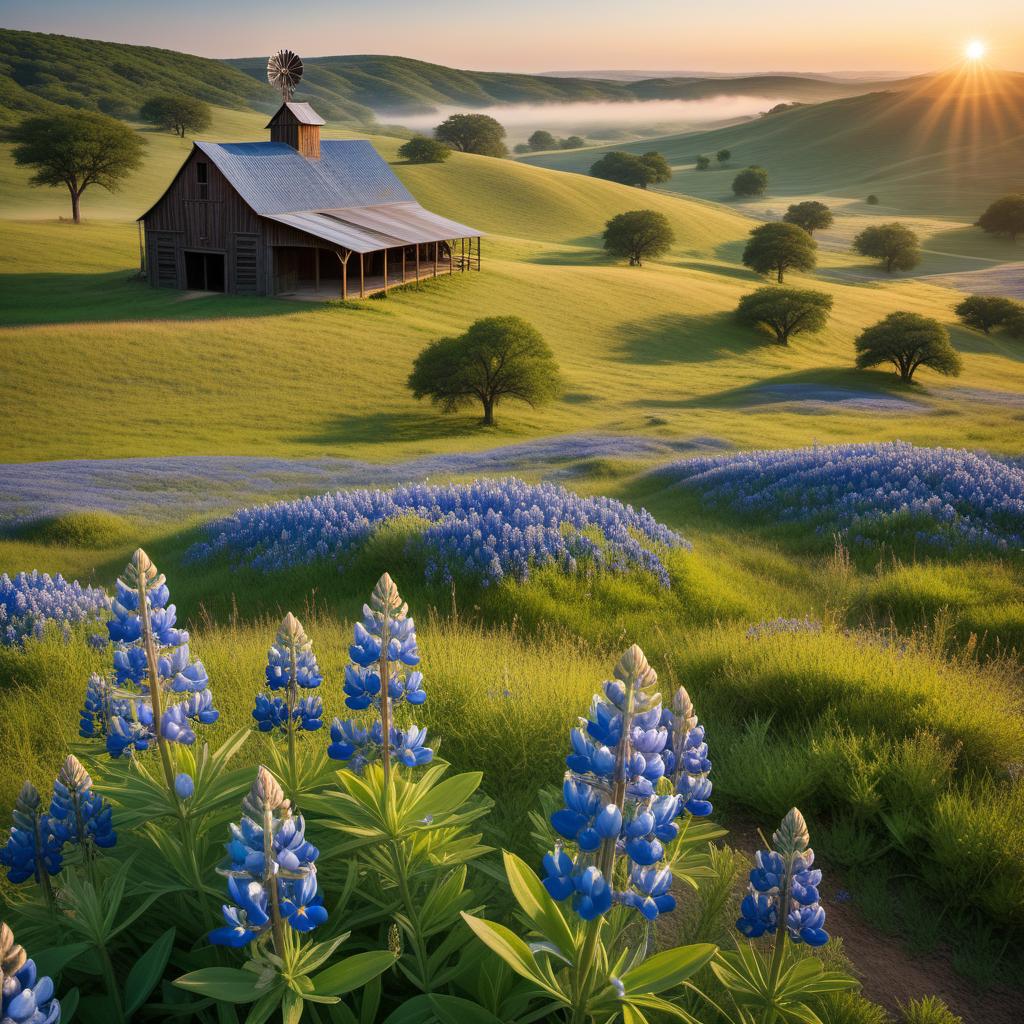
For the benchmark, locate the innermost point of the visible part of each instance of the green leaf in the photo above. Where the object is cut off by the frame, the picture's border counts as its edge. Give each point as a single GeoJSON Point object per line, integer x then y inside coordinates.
{"type": "Point", "coordinates": [291, 1008]}
{"type": "Point", "coordinates": [229, 984]}
{"type": "Point", "coordinates": [52, 961]}
{"type": "Point", "coordinates": [537, 904]}
{"type": "Point", "coordinates": [262, 1010]}
{"type": "Point", "coordinates": [668, 969]}
{"type": "Point", "coordinates": [512, 950]}
{"type": "Point", "coordinates": [453, 1010]}
{"type": "Point", "coordinates": [147, 971]}
{"type": "Point", "coordinates": [446, 796]}
{"type": "Point", "coordinates": [353, 972]}
{"type": "Point", "coordinates": [631, 1015]}
{"type": "Point", "coordinates": [68, 1006]}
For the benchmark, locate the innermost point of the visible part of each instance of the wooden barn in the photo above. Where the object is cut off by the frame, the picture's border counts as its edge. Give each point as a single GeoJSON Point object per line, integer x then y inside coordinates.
{"type": "Point", "coordinates": [296, 216]}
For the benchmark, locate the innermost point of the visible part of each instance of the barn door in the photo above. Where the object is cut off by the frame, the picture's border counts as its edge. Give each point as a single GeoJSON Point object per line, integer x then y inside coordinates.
{"type": "Point", "coordinates": [166, 260]}
{"type": "Point", "coordinates": [247, 268]}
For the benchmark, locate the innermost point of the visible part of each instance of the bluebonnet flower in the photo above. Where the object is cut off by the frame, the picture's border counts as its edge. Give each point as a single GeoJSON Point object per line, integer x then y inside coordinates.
{"type": "Point", "coordinates": [184, 786]}
{"type": "Point", "coordinates": [32, 850]}
{"type": "Point", "coordinates": [687, 756]}
{"type": "Point", "coordinates": [251, 914]}
{"type": "Point", "coordinates": [77, 814]}
{"type": "Point", "coordinates": [784, 881]}
{"type": "Point", "coordinates": [291, 667]}
{"type": "Point", "coordinates": [29, 600]}
{"type": "Point", "coordinates": [612, 804]}
{"type": "Point", "coordinates": [954, 497]}
{"type": "Point", "coordinates": [384, 644]}
{"type": "Point", "coordinates": [490, 529]}
{"type": "Point", "coordinates": [26, 997]}
{"type": "Point", "coordinates": [121, 709]}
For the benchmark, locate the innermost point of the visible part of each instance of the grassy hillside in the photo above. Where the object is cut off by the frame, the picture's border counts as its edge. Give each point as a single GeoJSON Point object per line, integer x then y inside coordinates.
{"type": "Point", "coordinates": [651, 350]}
{"type": "Point", "coordinates": [947, 148]}
{"type": "Point", "coordinates": [399, 85]}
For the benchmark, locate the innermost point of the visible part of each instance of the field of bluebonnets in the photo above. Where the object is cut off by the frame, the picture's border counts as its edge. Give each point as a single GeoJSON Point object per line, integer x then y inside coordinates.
{"type": "Point", "coordinates": [540, 836]}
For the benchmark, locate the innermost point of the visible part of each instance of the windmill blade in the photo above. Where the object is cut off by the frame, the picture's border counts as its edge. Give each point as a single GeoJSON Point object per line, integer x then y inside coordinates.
{"type": "Point", "coordinates": [284, 70]}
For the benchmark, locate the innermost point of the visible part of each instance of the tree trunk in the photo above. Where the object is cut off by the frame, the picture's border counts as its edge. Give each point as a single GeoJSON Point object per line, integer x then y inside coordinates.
{"type": "Point", "coordinates": [781, 274]}
{"type": "Point", "coordinates": [76, 214]}
{"type": "Point", "coordinates": [488, 412]}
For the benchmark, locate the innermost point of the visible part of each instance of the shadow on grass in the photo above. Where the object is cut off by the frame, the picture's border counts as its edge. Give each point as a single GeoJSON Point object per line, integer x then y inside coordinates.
{"type": "Point", "coordinates": [848, 389]}
{"type": "Point", "coordinates": [684, 339]}
{"type": "Point", "coordinates": [118, 295]}
{"type": "Point", "coordinates": [388, 427]}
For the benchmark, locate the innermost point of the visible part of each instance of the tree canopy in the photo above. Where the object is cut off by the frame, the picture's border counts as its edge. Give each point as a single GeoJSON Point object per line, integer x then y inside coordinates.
{"type": "Point", "coordinates": [573, 142]}
{"type": "Point", "coordinates": [723, 155]}
{"type": "Point", "coordinates": [541, 139]}
{"type": "Point", "coordinates": [810, 215]}
{"type": "Point", "coordinates": [750, 182]}
{"type": "Point", "coordinates": [499, 357]}
{"type": "Point", "coordinates": [629, 169]}
{"type": "Point", "coordinates": [423, 150]}
{"type": "Point", "coordinates": [179, 114]}
{"type": "Point", "coordinates": [473, 133]}
{"type": "Point", "coordinates": [702, 163]}
{"type": "Point", "coordinates": [76, 150]}
{"type": "Point", "coordinates": [778, 247]}
{"type": "Point", "coordinates": [785, 312]}
{"type": "Point", "coordinates": [637, 235]}
{"type": "Point", "coordinates": [894, 244]}
{"type": "Point", "coordinates": [983, 312]}
{"type": "Point", "coordinates": [1004, 217]}
{"type": "Point", "coordinates": [908, 341]}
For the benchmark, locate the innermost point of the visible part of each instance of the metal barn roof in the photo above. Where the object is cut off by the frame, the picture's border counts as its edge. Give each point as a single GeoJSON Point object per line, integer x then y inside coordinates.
{"type": "Point", "coordinates": [302, 112]}
{"type": "Point", "coordinates": [369, 228]}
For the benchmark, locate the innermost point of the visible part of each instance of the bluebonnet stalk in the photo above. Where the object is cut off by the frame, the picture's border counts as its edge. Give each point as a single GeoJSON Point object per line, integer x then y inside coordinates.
{"type": "Point", "coordinates": [270, 870]}
{"type": "Point", "coordinates": [384, 648]}
{"type": "Point", "coordinates": [77, 814]}
{"type": "Point", "coordinates": [620, 755]}
{"type": "Point", "coordinates": [157, 693]}
{"type": "Point", "coordinates": [26, 997]}
{"type": "Point", "coordinates": [32, 850]}
{"type": "Point", "coordinates": [784, 885]}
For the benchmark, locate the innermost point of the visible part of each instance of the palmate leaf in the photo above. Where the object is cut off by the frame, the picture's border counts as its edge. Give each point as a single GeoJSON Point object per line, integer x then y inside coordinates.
{"type": "Point", "coordinates": [535, 901]}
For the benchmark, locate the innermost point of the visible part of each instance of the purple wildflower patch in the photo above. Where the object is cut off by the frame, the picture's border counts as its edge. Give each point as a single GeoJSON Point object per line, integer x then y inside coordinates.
{"type": "Point", "coordinates": [29, 600]}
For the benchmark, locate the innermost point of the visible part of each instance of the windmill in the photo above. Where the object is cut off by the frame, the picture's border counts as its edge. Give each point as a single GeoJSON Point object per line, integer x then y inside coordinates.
{"type": "Point", "coordinates": [284, 69]}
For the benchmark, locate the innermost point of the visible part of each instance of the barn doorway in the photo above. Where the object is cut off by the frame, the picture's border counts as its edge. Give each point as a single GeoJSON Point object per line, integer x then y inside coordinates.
{"type": "Point", "coordinates": [204, 271]}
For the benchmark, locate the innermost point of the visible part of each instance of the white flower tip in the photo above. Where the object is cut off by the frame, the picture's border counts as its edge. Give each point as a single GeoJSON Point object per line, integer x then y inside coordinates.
{"type": "Point", "coordinates": [386, 601]}
{"type": "Point", "coordinates": [291, 632]}
{"type": "Point", "coordinates": [12, 956]}
{"type": "Point", "coordinates": [73, 774]}
{"type": "Point", "coordinates": [633, 669]}
{"type": "Point", "coordinates": [792, 836]}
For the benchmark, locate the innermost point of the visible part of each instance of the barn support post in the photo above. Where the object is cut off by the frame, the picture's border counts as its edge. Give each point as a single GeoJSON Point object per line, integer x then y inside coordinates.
{"type": "Point", "coordinates": [417, 264]}
{"type": "Point", "coordinates": [478, 258]}
{"type": "Point", "coordinates": [403, 264]}
{"type": "Point", "coordinates": [462, 262]}
{"type": "Point", "coordinates": [435, 259]}
{"type": "Point", "coordinates": [316, 268]}
{"type": "Point", "coordinates": [451, 257]}
{"type": "Point", "coordinates": [343, 260]}
{"type": "Point", "coordinates": [362, 277]}
{"type": "Point", "coordinates": [142, 249]}
{"type": "Point", "coordinates": [385, 270]}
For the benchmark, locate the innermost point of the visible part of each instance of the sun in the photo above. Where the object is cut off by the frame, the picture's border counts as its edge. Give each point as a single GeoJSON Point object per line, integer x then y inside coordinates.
{"type": "Point", "coordinates": [975, 50]}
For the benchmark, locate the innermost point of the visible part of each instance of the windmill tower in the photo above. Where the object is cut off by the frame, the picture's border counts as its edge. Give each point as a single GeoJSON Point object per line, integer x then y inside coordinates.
{"type": "Point", "coordinates": [296, 124]}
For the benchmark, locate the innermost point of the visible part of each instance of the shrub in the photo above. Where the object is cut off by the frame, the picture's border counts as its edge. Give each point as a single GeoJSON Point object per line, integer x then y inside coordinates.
{"type": "Point", "coordinates": [983, 312]}
{"type": "Point", "coordinates": [1004, 217]}
{"type": "Point", "coordinates": [473, 133]}
{"type": "Point", "coordinates": [928, 1010]}
{"type": "Point", "coordinates": [541, 140]}
{"type": "Point", "coordinates": [751, 182]}
{"type": "Point", "coordinates": [637, 235]}
{"type": "Point", "coordinates": [872, 200]}
{"type": "Point", "coordinates": [180, 114]}
{"type": "Point", "coordinates": [423, 150]}
{"type": "Point", "coordinates": [702, 163]}
{"type": "Point", "coordinates": [908, 341]}
{"type": "Point", "coordinates": [723, 156]}
{"type": "Point", "coordinates": [629, 169]}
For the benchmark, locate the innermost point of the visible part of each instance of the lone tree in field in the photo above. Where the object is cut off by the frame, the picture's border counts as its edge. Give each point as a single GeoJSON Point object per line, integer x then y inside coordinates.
{"type": "Point", "coordinates": [638, 235]}
{"type": "Point", "coordinates": [573, 142]}
{"type": "Point", "coordinates": [473, 133]}
{"type": "Point", "coordinates": [422, 150]}
{"type": "Point", "coordinates": [983, 312]}
{"type": "Point", "coordinates": [1004, 217]}
{"type": "Point", "coordinates": [751, 182]}
{"type": "Point", "coordinates": [179, 114]}
{"type": "Point", "coordinates": [777, 247]}
{"type": "Point", "coordinates": [542, 140]}
{"type": "Point", "coordinates": [723, 156]}
{"type": "Point", "coordinates": [785, 312]}
{"type": "Point", "coordinates": [629, 169]}
{"type": "Point", "coordinates": [811, 216]}
{"type": "Point", "coordinates": [702, 163]}
{"type": "Point", "coordinates": [498, 357]}
{"type": "Point", "coordinates": [894, 244]}
{"type": "Point", "coordinates": [872, 200]}
{"type": "Point", "coordinates": [76, 150]}
{"type": "Point", "coordinates": [908, 340]}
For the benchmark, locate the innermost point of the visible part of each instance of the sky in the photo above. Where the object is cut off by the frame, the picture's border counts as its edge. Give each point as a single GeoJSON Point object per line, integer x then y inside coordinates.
{"type": "Point", "coordinates": [904, 36]}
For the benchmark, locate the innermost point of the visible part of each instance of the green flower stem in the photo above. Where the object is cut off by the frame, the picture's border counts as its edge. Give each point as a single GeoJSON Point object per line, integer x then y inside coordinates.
{"type": "Point", "coordinates": [44, 875]}
{"type": "Point", "coordinates": [291, 701]}
{"type": "Point", "coordinates": [110, 980]}
{"type": "Point", "coordinates": [411, 910]}
{"type": "Point", "coordinates": [584, 970]}
{"type": "Point", "coordinates": [155, 694]}
{"type": "Point", "coordinates": [779, 953]}
{"type": "Point", "coordinates": [385, 700]}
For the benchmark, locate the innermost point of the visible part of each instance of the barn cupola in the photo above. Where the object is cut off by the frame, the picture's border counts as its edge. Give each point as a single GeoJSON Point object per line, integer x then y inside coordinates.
{"type": "Point", "coordinates": [297, 124]}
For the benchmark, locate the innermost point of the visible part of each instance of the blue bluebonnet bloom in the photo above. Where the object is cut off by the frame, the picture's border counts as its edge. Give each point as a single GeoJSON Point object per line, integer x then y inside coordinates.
{"type": "Point", "coordinates": [621, 755]}
{"type": "Point", "coordinates": [77, 814]}
{"type": "Point", "coordinates": [386, 634]}
{"type": "Point", "coordinates": [489, 529]}
{"type": "Point", "coordinates": [290, 655]}
{"type": "Point", "coordinates": [184, 786]}
{"type": "Point", "coordinates": [26, 997]}
{"type": "Point", "coordinates": [952, 496]}
{"type": "Point", "coordinates": [250, 874]}
{"type": "Point", "coordinates": [32, 849]}
{"type": "Point", "coordinates": [29, 600]}
{"type": "Point", "coordinates": [784, 881]}
{"type": "Point", "coordinates": [120, 709]}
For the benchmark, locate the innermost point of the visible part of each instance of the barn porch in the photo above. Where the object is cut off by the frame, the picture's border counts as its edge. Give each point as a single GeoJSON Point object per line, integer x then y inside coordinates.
{"type": "Point", "coordinates": [316, 273]}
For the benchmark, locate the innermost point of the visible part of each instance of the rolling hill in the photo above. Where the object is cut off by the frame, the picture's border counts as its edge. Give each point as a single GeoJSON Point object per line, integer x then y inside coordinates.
{"type": "Point", "coordinates": [945, 147]}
